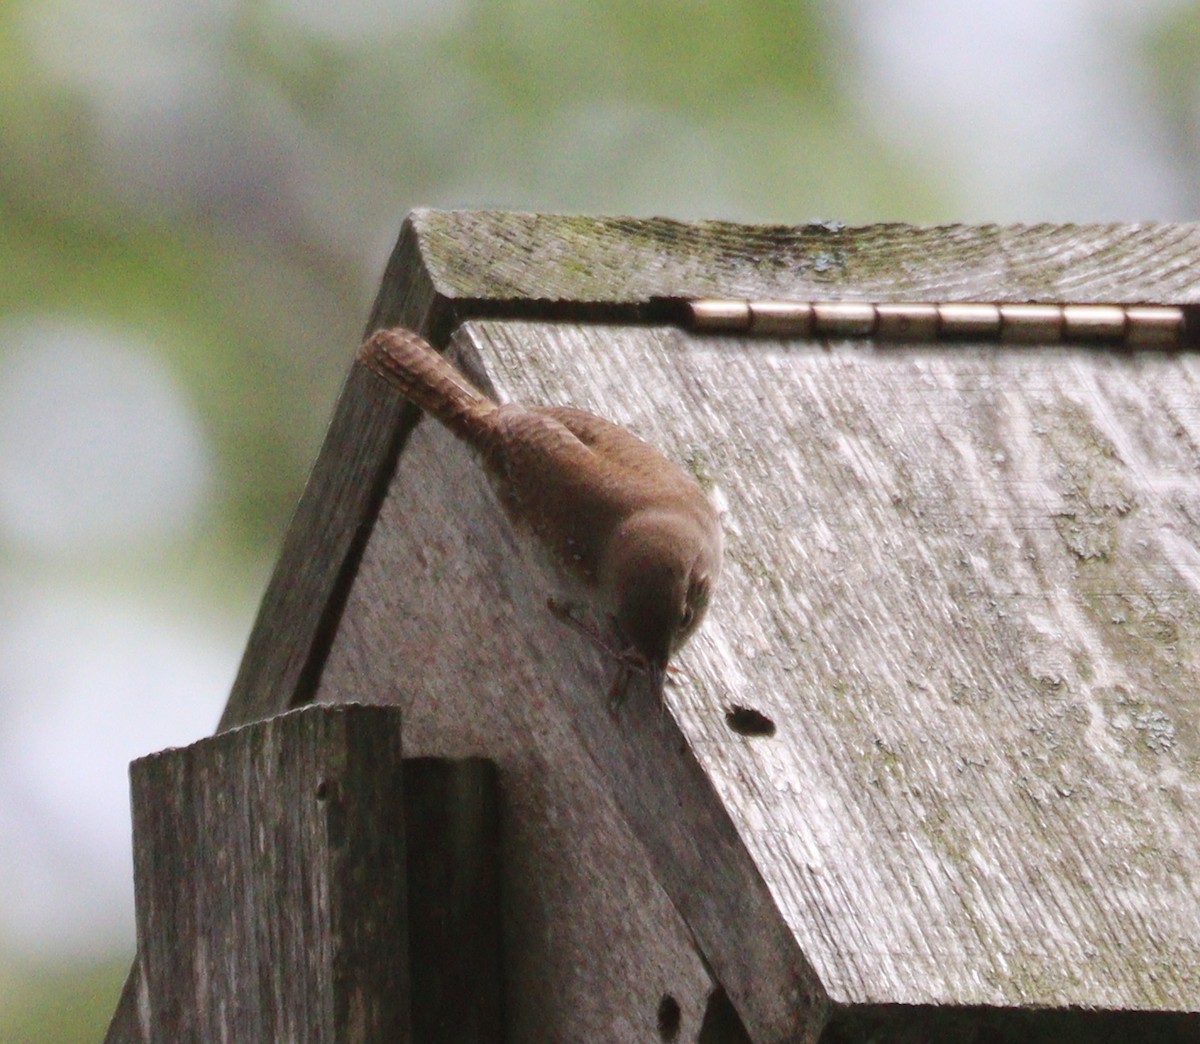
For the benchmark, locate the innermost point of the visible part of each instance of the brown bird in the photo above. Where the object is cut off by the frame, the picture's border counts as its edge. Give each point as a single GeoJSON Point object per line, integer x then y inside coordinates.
{"type": "Point", "coordinates": [622, 530]}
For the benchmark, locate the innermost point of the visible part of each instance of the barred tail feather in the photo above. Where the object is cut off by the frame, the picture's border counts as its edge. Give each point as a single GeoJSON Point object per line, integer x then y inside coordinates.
{"type": "Point", "coordinates": [411, 365]}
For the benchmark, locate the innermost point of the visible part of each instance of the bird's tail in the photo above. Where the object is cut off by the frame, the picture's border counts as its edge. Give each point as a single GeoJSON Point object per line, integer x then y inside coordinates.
{"type": "Point", "coordinates": [411, 365]}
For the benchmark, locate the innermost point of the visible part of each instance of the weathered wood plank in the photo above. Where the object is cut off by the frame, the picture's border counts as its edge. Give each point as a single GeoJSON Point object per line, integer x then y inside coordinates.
{"type": "Point", "coordinates": [443, 621]}
{"type": "Point", "coordinates": [299, 613]}
{"type": "Point", "coordinates": [300, 608]}
{"type": "Point", "coordinates": [269, 865]}
{"type": "Point", "coordinates": [476, 258]}
{"type": "Point", "coordinates": [451, 827]}
{"type": "Point", "coordinates": [963, 586]}
{"type": "Point", "coordinates": [454, 265]}
{"type": "Point", "coordinates": [125, 1027]}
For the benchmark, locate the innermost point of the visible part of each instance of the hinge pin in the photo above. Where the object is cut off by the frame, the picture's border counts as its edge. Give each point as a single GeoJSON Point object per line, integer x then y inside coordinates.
{"type": "Point", "coordinates": [1142, 326]}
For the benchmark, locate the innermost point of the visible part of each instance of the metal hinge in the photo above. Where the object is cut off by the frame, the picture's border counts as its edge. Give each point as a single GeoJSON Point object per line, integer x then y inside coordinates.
{"type": "Point", "coordinates": [1140, 326]}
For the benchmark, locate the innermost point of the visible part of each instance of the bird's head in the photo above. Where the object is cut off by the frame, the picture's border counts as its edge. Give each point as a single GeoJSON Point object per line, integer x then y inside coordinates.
{"type": "Point", "coordinates": [662, 564]}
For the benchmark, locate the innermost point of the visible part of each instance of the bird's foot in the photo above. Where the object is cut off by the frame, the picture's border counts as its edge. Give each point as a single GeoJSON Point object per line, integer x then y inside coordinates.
{"type": "Point", "coordinates": [629, 660]}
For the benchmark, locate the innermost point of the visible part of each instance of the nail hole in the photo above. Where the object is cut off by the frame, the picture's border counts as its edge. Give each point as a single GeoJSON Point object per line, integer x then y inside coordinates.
{"type": "Point", "coordinates": [669, 1017]}
{"type": "Point", "coordinates": [323, 789]}
{"type": "Point", "coordinates": [746, 721]}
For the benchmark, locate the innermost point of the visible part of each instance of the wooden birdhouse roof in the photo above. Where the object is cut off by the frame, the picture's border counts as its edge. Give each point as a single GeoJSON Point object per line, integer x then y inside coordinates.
{"type": "Point", "coordinates": [931, 764]}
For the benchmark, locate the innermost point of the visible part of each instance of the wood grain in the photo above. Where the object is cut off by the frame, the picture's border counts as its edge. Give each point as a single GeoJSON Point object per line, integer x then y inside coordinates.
{"type": "Point", "coordinates": [125, 1026]}
{"type": "Point", "coordinates": [964, 587]}
{"type": "Point", "coordinates": [451, 265]}
{"type": "Point", "coordinates": [269, 865]}
{"type": "Point", "coordinates": [448, 623]}
{"type": "Point", "coordinates": [529, 261]}
{"type": "Point", "coordinates": [301, 607]}
{"type": "Point", "coordinates": [901, 808]}
{"type": "Point", "coordinates": [452, 835]}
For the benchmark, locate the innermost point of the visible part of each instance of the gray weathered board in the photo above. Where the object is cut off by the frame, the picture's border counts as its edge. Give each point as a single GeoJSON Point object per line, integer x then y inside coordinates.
{"type": "Point", "coordinates": [286, 869]}
{"type": "Point", "coordinates": [270, 871]}
{"type": "Point", "coordinates": [963, 586]}
{"type": "Point", "coordinates": [450, 266]}
{"type": "Point", "coordinates": [961, 583]}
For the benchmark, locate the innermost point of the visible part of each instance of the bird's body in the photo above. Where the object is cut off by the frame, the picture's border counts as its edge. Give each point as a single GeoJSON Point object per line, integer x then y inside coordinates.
{"type": "Point", "coordinates": [617, 524]}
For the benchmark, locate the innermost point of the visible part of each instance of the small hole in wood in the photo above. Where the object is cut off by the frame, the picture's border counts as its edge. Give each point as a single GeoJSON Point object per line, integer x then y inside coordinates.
{"type": "Point", "coordinates": [746, 721]}
{"type": "Point", "coordinates": [324, 788]}
{"type": "Point", "coordinates": [669, 1017]}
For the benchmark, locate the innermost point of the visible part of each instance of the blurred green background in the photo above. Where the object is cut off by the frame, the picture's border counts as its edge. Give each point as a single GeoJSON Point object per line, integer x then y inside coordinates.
{"type": "Point", "coordinates": [196, 203]}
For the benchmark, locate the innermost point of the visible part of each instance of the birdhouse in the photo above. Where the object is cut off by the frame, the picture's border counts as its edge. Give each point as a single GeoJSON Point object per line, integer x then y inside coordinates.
{"type": "Point", "coordinates": [928, 771]}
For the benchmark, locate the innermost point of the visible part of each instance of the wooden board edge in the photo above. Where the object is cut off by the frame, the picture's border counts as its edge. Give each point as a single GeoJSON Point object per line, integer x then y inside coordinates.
{"type": "Point", "coordinates": [300, 609]}
{"type": "Point", "coordinates": [495, 263]}
{"type": "Point", "coordinates": [299, 613]}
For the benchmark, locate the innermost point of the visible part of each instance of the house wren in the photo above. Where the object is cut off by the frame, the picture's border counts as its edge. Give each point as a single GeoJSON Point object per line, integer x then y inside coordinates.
{"type": "Point", "coordinates": [623, 531]}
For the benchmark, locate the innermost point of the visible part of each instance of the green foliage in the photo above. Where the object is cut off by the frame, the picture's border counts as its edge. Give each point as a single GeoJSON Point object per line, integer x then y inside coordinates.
{"type": "Point", "coordinates": [65, 1004]}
